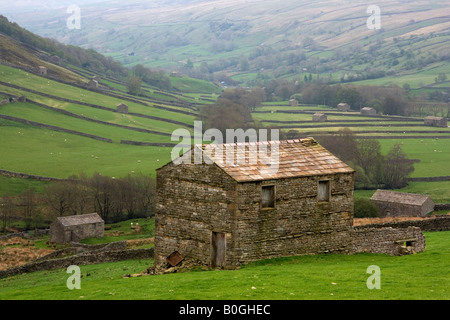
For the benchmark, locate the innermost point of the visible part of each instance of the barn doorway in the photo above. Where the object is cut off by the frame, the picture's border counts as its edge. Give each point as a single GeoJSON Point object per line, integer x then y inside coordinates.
{"type": "Point", "coordinates": [218, 248]}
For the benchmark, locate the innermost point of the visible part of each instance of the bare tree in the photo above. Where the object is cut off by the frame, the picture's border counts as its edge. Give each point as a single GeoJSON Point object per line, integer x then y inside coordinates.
{"type": "Point", "coordinates": [8, 209]}
{"type": "Point", "coordinates": [397, 167]}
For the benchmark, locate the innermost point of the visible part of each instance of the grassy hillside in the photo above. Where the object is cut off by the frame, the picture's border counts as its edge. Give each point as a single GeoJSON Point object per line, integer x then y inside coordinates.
{"type": "Point", "coordinates": [422, 276]}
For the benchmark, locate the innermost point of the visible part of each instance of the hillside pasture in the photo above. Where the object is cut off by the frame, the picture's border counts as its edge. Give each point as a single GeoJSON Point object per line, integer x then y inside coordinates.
{"type": "Point", "coordinates": [422, 276]}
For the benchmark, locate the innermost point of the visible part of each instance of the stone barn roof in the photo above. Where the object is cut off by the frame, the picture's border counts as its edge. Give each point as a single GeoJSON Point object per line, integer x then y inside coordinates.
{"type": "Point", "coordinates": [296, 158]}
{"type": "Point", "coordinates": [80, 219]}
{"type": "Point", "coordinates": [399, 197]}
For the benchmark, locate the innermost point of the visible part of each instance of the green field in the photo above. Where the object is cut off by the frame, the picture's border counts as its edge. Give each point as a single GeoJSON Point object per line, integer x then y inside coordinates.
{"type": "Point", "coordinates": [423, 276]}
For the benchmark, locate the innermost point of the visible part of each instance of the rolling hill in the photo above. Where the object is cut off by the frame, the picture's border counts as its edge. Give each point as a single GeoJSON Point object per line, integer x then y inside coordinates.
{"type": "Point", "coordinates": [55, 125]}
{"type": "Point", "coordinates": [254, 41]}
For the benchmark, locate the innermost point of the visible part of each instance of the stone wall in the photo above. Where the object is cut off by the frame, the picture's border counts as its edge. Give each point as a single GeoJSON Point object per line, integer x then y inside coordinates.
{"type": "Point", "coordinates": [437, 223]}
{"type": "Point", "coordinates": [388, 240]}
{"type": "Point", "coordinates": [192, 201]}
{"type": "Point", "coordinates": [299, 223]}
{"type": "Point", "coordinates": [106, 254]}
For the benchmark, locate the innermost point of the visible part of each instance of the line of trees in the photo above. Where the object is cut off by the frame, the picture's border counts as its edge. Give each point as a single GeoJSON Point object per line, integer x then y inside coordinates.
{"type": "Point", "coordinates": [113, 199]}
{"type": "Point", "coordinates": [373, 170]}
{"type": "Point", "coordinates": [392, 100]}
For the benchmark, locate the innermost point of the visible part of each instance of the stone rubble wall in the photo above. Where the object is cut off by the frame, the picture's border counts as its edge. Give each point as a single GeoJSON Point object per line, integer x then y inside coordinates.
{"type": "Point", "coordinates": [388, 240]}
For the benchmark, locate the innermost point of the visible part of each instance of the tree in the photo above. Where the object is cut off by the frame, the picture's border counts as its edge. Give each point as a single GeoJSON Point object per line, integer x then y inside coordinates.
{"type": "Point", "coordinates": [364, 208]}
{"type": "Point", "coordinates": [59, 197]}
{"type": "Point", "coordinates": [397, 167]}
{"type": "Point", "coordinates": [28, 205]}
{"type": "Point", "coordinates": [8, 209]}
{"type": "Point", "coordinates": [342, 144]}
{"type": "Point", "coordinates": [370, 159]}
{"type": "Point", "coordinates": [134, 85]}
{"type": "Point", "coordinates": [394, 105]}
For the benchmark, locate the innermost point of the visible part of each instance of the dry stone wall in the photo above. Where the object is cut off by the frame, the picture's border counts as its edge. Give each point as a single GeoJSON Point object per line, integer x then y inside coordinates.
{"type": "Point", "coordinates": [388, 240]}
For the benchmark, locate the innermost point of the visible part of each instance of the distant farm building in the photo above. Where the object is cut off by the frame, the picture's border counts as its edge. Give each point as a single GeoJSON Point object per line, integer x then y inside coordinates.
{"type": "Point", "coordinates": [293, 102]}
{"type": "Point", "coordinates": [343, 107]}
{"type": "Point", "coordinates": [76, 228]}
{"type": "Point", "coordinates": [319, 117]}
{"type": "Point", "coordinates": [93, 84]}
{"type": "Point", "coordinates": [42, 70]}
{"type": "Point", "coordinates": [399, 204]}
{"type": "Point", "coordinates": [368, 111]}
{"type": "Point", "coordinates": [122, 108]}
{"type": "Point", "coordinates": [436, 122]}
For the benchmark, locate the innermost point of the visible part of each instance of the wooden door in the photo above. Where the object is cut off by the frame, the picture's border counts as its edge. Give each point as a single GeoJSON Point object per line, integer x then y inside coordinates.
{"type": "Point", "coordinates": [218, 249]}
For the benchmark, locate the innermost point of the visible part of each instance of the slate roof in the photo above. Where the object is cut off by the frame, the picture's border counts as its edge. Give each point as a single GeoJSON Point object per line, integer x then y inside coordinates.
{"type": "Point", "coordinates": [80, 219]}
{"type": "Point", "coordinates": [295, 158]}
{"type": "Point", "coordinates": [399, 197]}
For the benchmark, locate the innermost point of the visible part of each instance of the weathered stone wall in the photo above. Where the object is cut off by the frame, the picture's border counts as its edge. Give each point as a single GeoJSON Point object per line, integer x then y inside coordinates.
{"type": "Point", "coordinates": [299, 223]}
{"type": "Point", "coordinates": [388, 240]}
{"type": "Point", "coordinates": [93, 257]}
{"type": "Point", "coordinates": [192, 202]}
{"type": "Point", "coordinates": [437, 223]}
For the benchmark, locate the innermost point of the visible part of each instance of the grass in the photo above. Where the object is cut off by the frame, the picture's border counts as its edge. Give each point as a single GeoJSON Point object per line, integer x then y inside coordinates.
{"type": "Point", "coordinates": [54, 154]}
{"type": "Point", "coordinates": [423, 276]}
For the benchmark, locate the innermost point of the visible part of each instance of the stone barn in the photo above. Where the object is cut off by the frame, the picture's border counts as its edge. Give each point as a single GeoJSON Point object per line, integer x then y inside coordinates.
{"type": "Point", "coordinates": [76, 228]}
{"type": "Point", "coordinates": [224, 213]}
{"type": "Point", "coordinates": [293, 102]}
{"type": "Point", "coordinates": [436, 122]}
{"type": "Point", "coordinates": [320, 117]}
{"type": "Point", "coordinates": [368, 111]}
{"type": "Point", "coordinates": [399, 204]}
{"type": "Point", "coordinates": [42, 70]}
{"type": "Point", "coordinates": [122, 108]}
{"type": "Point", "coordinates": [92, 84]}
{"type": "Point", "coordinates": [343, 107]}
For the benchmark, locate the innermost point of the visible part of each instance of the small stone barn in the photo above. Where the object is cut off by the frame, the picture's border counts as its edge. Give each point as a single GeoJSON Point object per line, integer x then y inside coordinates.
{"type": "Point", "coordinates": [42, 70]}
{"type": "Point", "coordinates": [225, 213]}
{"type": "Point", "coordinates": [368, 111]}
{"type": "Point", "coordinates": [343, 107]}
{"type": "Point", "coordinates": [293, 102]}
{"type": "Point", "coordinates": [399, 204]}
{"type": "Point", "coordinates": [122, 108]}
{"type": "Point", "coordinates": [320, 117]}
{"type": "Point", "coordinates": [76, 228]}
{"type": "Point", "coordinates": [436, 122]}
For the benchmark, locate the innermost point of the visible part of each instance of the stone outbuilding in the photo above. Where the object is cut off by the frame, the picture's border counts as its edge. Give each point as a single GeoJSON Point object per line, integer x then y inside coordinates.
{"type": "Point", "coordinates": [76, 228]}
{"type": "Point", "coordinates": [366, 111]}
{"type": "Point", "coordinates": [42, 70]}
{"type": "Point", "coordinates": [400, 204]}
{"type": "Point", "coordinates": [320, 117]}
{"type": "Point", "coordinates": [293, 102]}
{"type": "Point", "coordinates": [224, 213]}
{"type": "Point", "coordinates": [122, 108]}
{"type": "Point", "coordinates": [343, 107]}
{"type": "Point", "coordinates": [436, 122]}
{"type": "Point", "coordinates": [92, 84]}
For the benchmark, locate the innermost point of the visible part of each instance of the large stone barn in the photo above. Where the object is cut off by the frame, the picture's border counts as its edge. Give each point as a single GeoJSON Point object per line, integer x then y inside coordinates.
{"type": "Point", "coordinates": [223, 213]}
{"type": "Point", "coordinates": [76, 228]}
{"type": "Point", "coordinates": [400, 204]}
